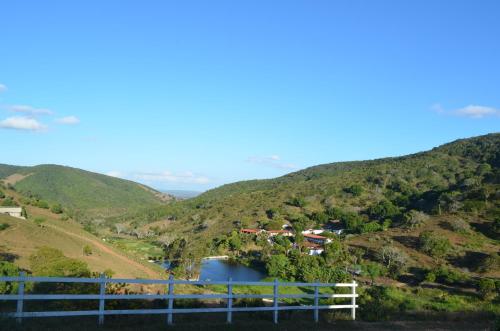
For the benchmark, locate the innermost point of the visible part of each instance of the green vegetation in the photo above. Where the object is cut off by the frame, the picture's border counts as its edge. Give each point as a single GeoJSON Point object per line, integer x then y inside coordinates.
{"type": "Point", "coordinates": [87, 250]}
{"type": "Point", "coordinates": [423, 229]}
{"type": "Point", "coordinates": [49, 261]}
{"type": "Point", "coordinates": [434, 245]}
{"type": "Point", "coordinates": [84, 194]}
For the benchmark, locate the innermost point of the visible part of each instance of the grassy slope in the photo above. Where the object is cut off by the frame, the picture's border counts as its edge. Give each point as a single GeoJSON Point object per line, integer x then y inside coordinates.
{"type": "Point", "coordinates": [23, 237]}
{"type": "Point", "coordinates": [94, 194]}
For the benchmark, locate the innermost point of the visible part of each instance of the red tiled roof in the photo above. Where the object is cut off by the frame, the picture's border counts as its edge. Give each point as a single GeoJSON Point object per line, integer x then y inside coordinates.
{"type": "Point", "coordinates": [314, 236]}
{"type": "Point", "coordinates": [249, 230]}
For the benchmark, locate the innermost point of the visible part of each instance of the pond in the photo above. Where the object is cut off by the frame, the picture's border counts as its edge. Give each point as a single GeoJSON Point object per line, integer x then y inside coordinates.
{"type": "Point", "coordinates": [221, 270]}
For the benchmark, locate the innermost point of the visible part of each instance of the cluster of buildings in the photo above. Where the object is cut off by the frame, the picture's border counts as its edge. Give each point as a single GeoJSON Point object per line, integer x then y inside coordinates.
{"type": "Point", "coordinates": [314, 241]}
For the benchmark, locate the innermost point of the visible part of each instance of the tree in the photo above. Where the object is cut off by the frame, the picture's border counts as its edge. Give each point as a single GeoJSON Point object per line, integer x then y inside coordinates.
{"type": "Point", "coordinates": [120, 227]}
{"type": "Point", "coordinates": [235, 241]}
{"type": "Point", "coordinates": [275, 224]}
{"type": "Point", "coordinates": [8, 269]}
{"type": "Point", "coordinates": [277, 266]}
{"type": "Point", "coordinates": [382, 210]}
{"type": "Point", "coordinates": [2, 195]}
{"type": "Point", "coordinates": [24, 213]}
{"type": "Point", "coordinates": [433, 244]}
{"type": "Point", "coordinates": [394, 259]}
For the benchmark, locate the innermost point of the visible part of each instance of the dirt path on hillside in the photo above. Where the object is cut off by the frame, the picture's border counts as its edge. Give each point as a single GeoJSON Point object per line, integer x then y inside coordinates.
{"type": "Point", "coordinates": [110, 251]}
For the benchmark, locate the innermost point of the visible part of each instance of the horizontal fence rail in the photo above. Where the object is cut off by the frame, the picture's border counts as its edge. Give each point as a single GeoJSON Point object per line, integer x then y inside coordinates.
{"type": "Point", "coordinates": [170, 296]}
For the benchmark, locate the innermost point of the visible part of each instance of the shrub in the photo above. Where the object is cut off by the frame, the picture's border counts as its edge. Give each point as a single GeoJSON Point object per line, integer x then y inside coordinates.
{"type": "Point", "coordinates": [49, 261]}
{"type": "Point", "coordinates": [430, 276]}
{"type": "Point", "coordinates": [433, 244]}
{"type": "Point", "coordinates": [9, 202]}
{"type": "Point", "coordinates": [459, 225]}
{"type": "Point", "coordinates": [355, 190]}
{"type": "Point", "coordinates": [39, 221]}
{"type": "Point", "coordinates": [3, 226]}
{"type": "Point", "coordinates": [370, 227]}
{"type": "Point", "coordinates": [42, 204]}
{"type": "Point", "coordinates": [56, 209]}
{"type": "Point", "coordinates": [297, 202]}
{"type": "Point", "coordinates": [24, 213]}
{"type": "Point", "coordinates": [486, 288]}
{"type": "Point", "coordinates": [414, 219]}
{"type": "Point", "coordinates": [449, 276]}
{"type": "Point", "coordinates": [87, 250]}
{"type": "Point", "coordinates": [489, 263]}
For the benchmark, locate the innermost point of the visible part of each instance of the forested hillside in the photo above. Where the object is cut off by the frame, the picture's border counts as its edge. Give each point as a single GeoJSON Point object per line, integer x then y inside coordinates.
{"type": "Point", "coordinates": [459, 177]}
{"type": "Point", "coordinates": [82, 194]}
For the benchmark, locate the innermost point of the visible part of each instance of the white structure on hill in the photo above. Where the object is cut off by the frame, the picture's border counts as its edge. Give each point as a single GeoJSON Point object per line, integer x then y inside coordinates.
{"type": "Point", "coordinates": [12, 211]}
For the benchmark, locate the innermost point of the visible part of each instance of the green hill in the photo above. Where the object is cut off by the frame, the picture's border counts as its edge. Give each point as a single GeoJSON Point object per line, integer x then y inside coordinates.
{"type": "Point", "coordinates": [81, 192]}
{"type": "Point", "coordinates": [460, 179]}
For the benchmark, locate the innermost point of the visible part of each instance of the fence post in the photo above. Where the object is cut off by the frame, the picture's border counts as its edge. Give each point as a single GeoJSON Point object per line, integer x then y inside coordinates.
{"type": "Point", "coordinates": [316, 302]}
{"type": "Point", "coordinates": [275, 302]}
{"type": "Point", "coordinates": [229, 300]}
{"type": "Point", "coordinates": [20, 300]}
{"type": "Point", "coordinates": [102, 293]}
{"type": "Point", "coordinates": [353, 300]}
{"type": "Point", "coordinates": [170, 299]}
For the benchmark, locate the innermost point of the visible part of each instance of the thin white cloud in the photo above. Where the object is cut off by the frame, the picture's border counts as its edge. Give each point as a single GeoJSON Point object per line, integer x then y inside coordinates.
{"type": "Point", "coordinates": [3, 88]}
{"type": "Point", "coordinates": [475, 111]}
{"type": "Point", "coordinates": [471, 111]}
{"type": "Point", "coordinates": [28, 110]}
{"type": "Point", "coordinates": [68, 120]}
{"type": "Point", "coordinates": [437, 108]}
{"type": "Point", "coordinates": [22, 123]}
{"type": "Point", "coordinates": [186, 177]}
{"type": "Point", "coordinates": [273, 161]}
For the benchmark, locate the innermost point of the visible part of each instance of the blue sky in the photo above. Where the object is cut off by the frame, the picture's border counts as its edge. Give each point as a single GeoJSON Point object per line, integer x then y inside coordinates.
{"type": "Point", "coordinates": [194, 94]}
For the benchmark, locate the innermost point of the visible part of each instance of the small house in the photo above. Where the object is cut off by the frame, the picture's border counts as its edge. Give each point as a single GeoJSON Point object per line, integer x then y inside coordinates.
{"type": "Point", "coordinates": [284, 233]}
{"type": "Point", "coordinates": [312, 248]}
{"type": "Point", "coordinates": [313, 231]}
{"type": "Point", "coordinates": [12, 211]}
{"type": "Point", "coordinates": [316, 239]}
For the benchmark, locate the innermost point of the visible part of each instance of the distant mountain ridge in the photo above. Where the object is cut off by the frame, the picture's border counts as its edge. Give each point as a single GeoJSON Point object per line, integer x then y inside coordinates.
{"type": "Point", "coordinates": [86, 192]}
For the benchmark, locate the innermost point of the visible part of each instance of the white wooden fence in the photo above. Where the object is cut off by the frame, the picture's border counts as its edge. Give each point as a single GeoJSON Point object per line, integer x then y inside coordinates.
{"type": "Point", "coordinates": [170, 296]}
